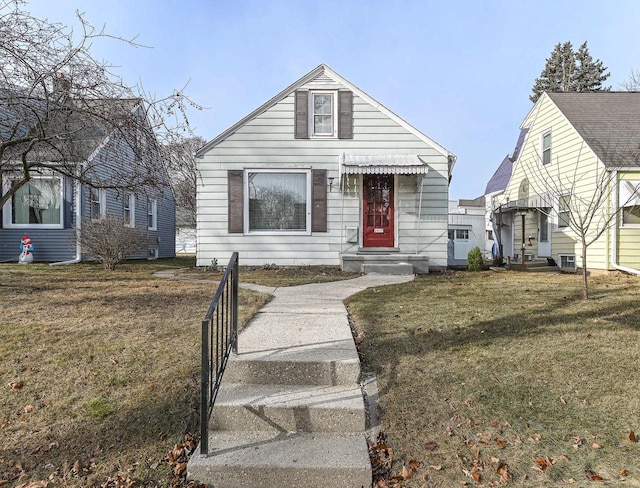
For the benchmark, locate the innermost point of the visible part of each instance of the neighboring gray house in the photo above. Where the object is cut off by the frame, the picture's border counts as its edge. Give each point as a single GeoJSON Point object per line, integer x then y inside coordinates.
{"type": "Point", "coordinates": [323, 174]}
{"type": "Point", "coordinates": [51, 206]}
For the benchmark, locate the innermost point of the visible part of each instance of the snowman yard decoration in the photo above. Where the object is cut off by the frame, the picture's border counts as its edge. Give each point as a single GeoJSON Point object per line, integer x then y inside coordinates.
{"type": "Point", "coordinates": [26, 250]}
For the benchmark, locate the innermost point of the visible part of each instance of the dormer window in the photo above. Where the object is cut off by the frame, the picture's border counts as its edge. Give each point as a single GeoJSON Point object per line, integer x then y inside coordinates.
{"type": "Point", "coordinates": [323, 114]}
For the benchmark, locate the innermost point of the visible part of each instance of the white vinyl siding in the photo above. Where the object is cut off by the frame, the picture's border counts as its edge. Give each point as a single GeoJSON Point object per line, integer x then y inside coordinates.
{"type": "Point", "coordinates": [267, 142]}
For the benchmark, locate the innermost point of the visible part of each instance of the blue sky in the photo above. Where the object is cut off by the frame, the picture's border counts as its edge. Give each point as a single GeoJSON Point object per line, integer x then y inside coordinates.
{"type": "Point", "coordinates": [459, 71]}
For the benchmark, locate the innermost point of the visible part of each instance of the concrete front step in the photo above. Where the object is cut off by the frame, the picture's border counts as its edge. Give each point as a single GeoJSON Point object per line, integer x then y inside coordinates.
{"type": "Point", "coordinates": [388, 269]}
{"type": "Point", "coordinates": [289, 408]}
{"type": "Point", "coordinates": [269, 459]}
{"type": "Point", "coordinates": [307, 368]}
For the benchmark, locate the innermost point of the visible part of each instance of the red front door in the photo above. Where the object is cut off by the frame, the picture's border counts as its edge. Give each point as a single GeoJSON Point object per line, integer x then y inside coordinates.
{"type": "Point", "coordinates": [378, 211]}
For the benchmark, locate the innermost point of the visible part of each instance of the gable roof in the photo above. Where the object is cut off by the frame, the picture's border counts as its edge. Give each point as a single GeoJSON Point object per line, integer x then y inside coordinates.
{"type": "Point", "coordinates": [320, 70]}
{"type": "Point", "coordinates": [74, 130]}
{"type": "Point", "coordinates": [500, 178]}
{"type": "Point", "coordinates": [609, 122]}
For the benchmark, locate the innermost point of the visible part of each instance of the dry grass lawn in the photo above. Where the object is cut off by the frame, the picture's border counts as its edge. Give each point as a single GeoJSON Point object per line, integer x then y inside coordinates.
{"type": "Point", "coordinates": [99, 371]}
{"type": "Point", "coordinates": [491, 379]}
{"type": "Point", "coordinates": [485, 379]}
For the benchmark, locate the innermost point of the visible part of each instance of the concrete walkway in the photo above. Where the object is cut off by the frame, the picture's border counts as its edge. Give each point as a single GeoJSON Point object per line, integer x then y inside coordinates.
{"type": "Point", "coordinates": [291, 410]}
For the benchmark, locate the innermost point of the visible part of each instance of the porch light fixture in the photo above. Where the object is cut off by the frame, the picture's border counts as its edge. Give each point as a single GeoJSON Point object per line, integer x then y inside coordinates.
{"type": "Point", "coordinates": [331, 178]}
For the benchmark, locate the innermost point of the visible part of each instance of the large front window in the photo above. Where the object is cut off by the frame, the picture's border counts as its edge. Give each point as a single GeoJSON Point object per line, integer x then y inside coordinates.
{"type": "Point", "coordinates": [278, 201]}
{"type": "Point", "coordinates": [37, 203]}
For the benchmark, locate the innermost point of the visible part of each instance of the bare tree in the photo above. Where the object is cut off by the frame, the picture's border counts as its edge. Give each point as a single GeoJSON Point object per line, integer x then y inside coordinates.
{"type": "Point", "coordinates": [559, 190]}
{"type": "Point", "coordinates": [632, 84]}
{"type": "Point", "coordinates": [179, 156]}
{"type": "Point", "coordinates": [57, 101]}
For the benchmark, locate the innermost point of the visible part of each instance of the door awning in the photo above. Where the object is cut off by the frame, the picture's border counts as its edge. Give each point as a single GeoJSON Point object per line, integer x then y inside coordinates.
{"type": "Point", "coordinates": [382, 164]}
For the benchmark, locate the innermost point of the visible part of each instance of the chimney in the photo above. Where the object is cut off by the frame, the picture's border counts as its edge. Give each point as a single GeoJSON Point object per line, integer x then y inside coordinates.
{"type": "Point", "coordinates": [61, 88]}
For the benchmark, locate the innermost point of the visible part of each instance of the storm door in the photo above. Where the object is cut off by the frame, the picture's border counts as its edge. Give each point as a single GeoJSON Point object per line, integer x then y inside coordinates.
{"type": "Point", "coordinates": [377, 206]}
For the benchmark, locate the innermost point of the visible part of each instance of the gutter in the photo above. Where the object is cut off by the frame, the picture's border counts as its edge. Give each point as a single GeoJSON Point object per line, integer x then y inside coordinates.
{"type": "Point", "coordinates": [77, 198]}
{"type": "Point", "coordinates": [614, 247]}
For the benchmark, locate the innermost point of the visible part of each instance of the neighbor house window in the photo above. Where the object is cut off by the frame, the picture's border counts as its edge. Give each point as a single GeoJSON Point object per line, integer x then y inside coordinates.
{"type": "Point", "coordinates": [546, 148]}
{"type": "Point", "coordinates": [462, 234]}
{"type": "Point", "coordinates": [278, 202]}
{"type": "Point", "coordinates": [629, 201]}
{"type": "Point", "coordinates": [37, 203]}
{"type": "Point", "coordinates": [152, 215]}
{"type": "Point", "coordinates": [98, 203]}
{"type": "Point", "coordinates": [323, 114]}
{"type": "Point", "coordinates": [129, 210]}
{"type": "Point", "coordinates": [489, 235]}
{"type": "Point", "coordinates": [564, 211]}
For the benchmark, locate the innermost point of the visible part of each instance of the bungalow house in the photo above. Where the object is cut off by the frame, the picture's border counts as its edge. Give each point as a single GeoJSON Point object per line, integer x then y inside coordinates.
{"type": "Point", "coordinates": [580, 160]}
{"type": "Point", "coordinates": [79, 147]}
{"type": "Point", "coordinates": [323, 174]}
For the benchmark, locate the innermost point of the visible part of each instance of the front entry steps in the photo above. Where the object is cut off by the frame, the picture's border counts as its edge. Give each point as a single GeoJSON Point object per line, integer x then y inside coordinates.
{"type": "Point", "coordinates": [391, 263]}
{"type": "Point", "coordinates": [290, 411]}
{"type": "Point", "coordinates": [271, 435]}
{"type": "Point", "coordinates": [266, 459]}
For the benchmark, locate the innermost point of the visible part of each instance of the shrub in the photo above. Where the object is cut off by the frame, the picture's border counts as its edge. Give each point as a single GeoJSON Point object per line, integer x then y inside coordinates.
{"type": "Point", "coordinates": [110, 242]}
{"type": "Point", "coordinates": [475, 261]}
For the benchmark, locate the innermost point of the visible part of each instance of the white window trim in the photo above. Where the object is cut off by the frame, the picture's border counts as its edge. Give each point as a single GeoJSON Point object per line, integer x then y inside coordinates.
{"type": "Point", "coordinates": [334, 103]}
{"type": "Point", "coordinates": [131, 199]}
{"type": "Point", "coordinates": [152, 211]}
{"type": "Point", "coordinates": [542, 136]}
{"type": "Point", "coordinates": [245, 196]}
{"type": "Point", "coordinates": [563, 228]}
{"type": "Point", "coordinates": [6, 211]}
{"type": "Point", "coordinates": [624, 196]}
{"type": "Point", "coordinates": [102, 201]}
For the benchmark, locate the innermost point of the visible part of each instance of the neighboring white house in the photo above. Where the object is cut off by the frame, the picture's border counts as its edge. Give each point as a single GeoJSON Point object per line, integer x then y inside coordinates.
{"type": "Point", "coordinates": [467, 230]}
{"type": "Point", "coordinates": [323, 174]}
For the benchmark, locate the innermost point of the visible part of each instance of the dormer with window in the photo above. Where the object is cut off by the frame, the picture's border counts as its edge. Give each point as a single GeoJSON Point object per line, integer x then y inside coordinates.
{"type": "Point", "coordinates": [323, 114]}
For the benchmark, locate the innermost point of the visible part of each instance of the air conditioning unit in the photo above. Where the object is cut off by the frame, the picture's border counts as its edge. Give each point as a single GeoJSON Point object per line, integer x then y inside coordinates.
{"type": "Point", "coordinates": [567, 262]}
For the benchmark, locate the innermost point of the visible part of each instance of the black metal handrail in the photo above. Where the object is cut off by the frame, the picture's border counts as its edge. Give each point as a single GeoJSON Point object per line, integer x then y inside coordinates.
{"type": "Point", "coordinates": [219, 340]}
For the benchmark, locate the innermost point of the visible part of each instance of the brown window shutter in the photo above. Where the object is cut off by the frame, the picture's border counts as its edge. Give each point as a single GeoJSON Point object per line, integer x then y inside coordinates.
{"type": "Point", "coordinates": [345, 115]}
{"type": "Point", "coordinates": [319, 197]}
{"type": "Point", "coordinates": [235, 201]}
{"type": "Point", "coordinates": [301, 121]}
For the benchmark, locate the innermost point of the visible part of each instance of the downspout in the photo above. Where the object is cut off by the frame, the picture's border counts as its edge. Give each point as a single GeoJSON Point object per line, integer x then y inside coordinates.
{"type": "Point", "coordinates": [419, 183]}
{"type": "Point", "coordinates": [78, 203]}
{"type": "Point", "coordinates": [341, 186]}
{"type": "Point", "coordinates": [614, 246]}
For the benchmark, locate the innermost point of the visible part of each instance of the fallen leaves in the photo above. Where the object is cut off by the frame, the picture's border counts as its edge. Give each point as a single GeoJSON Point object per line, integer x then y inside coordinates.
{"type": "Point", "coordinates": [178, 457]}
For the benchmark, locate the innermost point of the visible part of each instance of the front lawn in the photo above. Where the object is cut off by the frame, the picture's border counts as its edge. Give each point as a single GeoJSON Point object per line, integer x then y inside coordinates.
{"type": "Point", "coordinates": [99, 372]}
{"type": "Point", "coordinates": [506, 378]}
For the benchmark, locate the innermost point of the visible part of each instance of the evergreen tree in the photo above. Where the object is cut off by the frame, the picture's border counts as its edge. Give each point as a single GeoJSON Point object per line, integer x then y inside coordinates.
{"type": "Point", "coordinates": [568, 70]}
